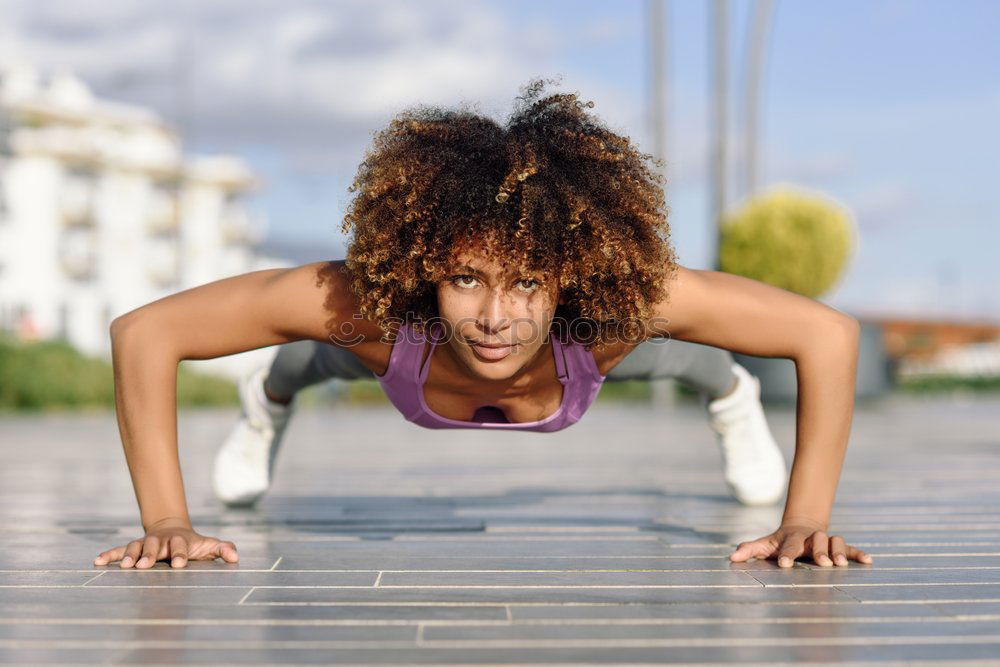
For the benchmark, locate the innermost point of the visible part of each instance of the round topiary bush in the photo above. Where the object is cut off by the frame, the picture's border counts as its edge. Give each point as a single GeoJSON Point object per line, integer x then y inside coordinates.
{"type": "Point", "coordinates": [790, 238]}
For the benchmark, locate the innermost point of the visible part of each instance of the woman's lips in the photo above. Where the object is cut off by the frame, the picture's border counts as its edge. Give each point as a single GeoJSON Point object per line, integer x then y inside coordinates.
{"type": "Point", "coordinates": [492, 353]}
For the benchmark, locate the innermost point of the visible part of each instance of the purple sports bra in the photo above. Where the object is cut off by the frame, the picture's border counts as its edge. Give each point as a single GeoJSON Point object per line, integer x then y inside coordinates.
{"type": "Point", "coordinates": [403, 383]}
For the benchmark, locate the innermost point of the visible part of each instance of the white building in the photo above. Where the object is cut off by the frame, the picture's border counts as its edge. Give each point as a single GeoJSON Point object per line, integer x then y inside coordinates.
{"type": "Point", "coordinates": [101, 213]}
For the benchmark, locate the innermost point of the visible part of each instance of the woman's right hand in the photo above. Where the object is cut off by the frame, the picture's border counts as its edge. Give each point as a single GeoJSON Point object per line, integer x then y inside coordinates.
{"type": "Point", "coordinates": [173, 540]}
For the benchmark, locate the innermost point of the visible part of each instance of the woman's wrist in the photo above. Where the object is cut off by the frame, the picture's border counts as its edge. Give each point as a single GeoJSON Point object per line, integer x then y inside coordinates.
{"type": "Point", "coordinates": [168, 521]}
{"type": "Point", "coordinates": [804, 521]}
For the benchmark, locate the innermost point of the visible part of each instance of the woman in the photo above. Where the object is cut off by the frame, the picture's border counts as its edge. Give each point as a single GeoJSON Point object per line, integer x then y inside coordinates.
{"type": "Point", "coordinates": [489, 239]}
{"type": "Point", "coordinates": [753, 467]}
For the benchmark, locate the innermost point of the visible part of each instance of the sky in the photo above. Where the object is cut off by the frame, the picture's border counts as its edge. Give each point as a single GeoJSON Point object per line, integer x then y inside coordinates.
{"type": "Point", "coordinates": [890, 107]}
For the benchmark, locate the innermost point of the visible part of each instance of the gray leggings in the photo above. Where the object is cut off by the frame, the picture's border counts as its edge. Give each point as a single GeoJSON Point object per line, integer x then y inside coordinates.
{"type": "Point", "coordinates": [701, 367]}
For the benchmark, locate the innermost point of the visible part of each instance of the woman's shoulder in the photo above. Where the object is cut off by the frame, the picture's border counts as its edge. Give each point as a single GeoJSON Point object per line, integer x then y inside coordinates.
{"type": "Point", "coordinates": [345, 324]}
{"type": "Point", "coordinates": [608, 356]}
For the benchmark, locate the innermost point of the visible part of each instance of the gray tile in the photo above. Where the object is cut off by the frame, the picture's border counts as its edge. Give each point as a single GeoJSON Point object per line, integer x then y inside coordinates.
{"type": "Point", "coordinates": [580, 562]}
{"type": "Point", "coordinates": [138, 610]}
{"type": "Point", "coordinates": [924, 593]}
{"type": "Point", "coordinates": [180, 577]}
{"type": "Point", "coordinates": [917, 549]}
{"type": "Point", "coordinates": [551, 548]}
{"type": "Point", "coordinates": [758, 611]}
{"type": "Point", "coordinates": [496, 550]}
{"type": "Point", "coordinates": [855, 575]}
{"type": "Point", "coordinates": [124, 632]}
{"type": "Point", "coordinates": [68, 595]}
{"type": "Point", "coordinates": [40, 655]}
{"type": "Point", "coordinates": [924, 562]}
{"type": "Point", "coordinates": [709, 631]}
{"type": "Point", "coordinates": [576, 652]}
{"type": "Point", "coordinates": [565, 595]}
{"type": "Point", "coordinates": [972, 609]}
{"type": "Point", "coordinates": [43, 578]}
{"type": "Point", "coordinates": [514, 579]}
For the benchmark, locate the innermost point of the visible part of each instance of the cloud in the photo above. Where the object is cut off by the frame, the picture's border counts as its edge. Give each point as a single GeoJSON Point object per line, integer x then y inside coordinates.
{"type": "Point", "coordinates": [311, 77]}
{"type": "Point", "coordinates": [818, 166]}
{"type": "Point", "coordinates": [884, 205]}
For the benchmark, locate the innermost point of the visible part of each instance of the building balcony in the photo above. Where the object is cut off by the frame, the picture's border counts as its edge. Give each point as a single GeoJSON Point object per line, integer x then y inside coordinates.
{"type": "Point", "coordinates": [162, 263]}
{"type": "Point", "coordinates": [163, 214]}
{"type": "Point", "coordinates": [79, 267]}
{"type": "Point", "coordinates": [237, 227]}
{"type": "Point", "coordinates": [78, 255]}
{"type": "Point", "coordinates": [76, 202]}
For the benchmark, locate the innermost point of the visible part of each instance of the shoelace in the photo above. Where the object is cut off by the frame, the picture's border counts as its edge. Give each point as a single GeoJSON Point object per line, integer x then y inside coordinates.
{"type": "Point", "coordinates": [259, 420]}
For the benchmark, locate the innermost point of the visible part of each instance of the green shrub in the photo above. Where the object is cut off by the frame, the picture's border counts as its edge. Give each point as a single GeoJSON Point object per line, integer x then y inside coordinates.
{"type": "Point", "coordinates": [200, 389]}
{"type": "Point", "coordinates": [363, 391]}
{"type": "Point", "coordinates": [788, 238]}
{"type": "Point", "coordinates": [949, 383]}
{"type": "Point", "coordinates": [625, 391]}
{"type": "Point", "coordinates": [49, 374]}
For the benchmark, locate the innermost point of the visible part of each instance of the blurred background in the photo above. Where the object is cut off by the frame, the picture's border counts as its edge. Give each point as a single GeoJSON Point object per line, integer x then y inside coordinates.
{"type": "Point", "coordinates": [847, 151]}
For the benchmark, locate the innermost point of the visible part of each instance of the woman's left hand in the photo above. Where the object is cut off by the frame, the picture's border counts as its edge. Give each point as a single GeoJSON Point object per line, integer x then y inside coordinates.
{"type": "Point", "coordinates": [793, 540]}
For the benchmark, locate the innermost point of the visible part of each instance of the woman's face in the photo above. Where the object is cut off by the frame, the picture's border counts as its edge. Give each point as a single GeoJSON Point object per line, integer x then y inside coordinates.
{"type": "Point", "coordinates": [484, 303]}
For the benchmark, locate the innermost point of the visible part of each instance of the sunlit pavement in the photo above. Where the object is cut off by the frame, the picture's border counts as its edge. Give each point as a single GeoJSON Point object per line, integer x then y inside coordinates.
{"type": "Point", "coordinates": [383, 542]}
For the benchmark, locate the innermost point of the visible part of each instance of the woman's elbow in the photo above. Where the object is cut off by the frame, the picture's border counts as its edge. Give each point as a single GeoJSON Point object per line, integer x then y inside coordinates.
{"type": "Point", "coordinates": [123, 323]}
{"type": "Point", "coordinates": [118, 325]}
{"type": "Point", "coordinates": [849, 326]}
{"type": "Point", "coordinates": [827, 334]}
{"type": "Point", "coordinates": [133, 324]}
{"type": "Point", "coordinates": [843, 332]}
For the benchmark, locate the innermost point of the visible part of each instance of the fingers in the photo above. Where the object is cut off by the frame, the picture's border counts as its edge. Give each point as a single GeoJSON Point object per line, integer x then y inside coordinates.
{"type": "Point", "coordinates": [743, 552]}
{"type": "Point", "coordinates": [150, 552]}
{"type": "Point", "coordinates": [838, 549]}
{"type": "Point", "coordinates": [178, 551]}
{"type": "Point", "coordinates": [109, 556]}
{"type": "Point", "coordinates": [761, 548]}
{"type": "Point", "coordinates": [132, 551]}
{"type": "Point", "coordinates": [147, 551]}
{"type": "Point", "coordinates": [825, 550]}
{"type": "Point", "coordinates": [227, 550]}
{"type": "Point", "coordinates": [820, 549]}
{"type": "Point", "coordinates": [842, 553]}
{"type": "Point", "coordinates": [792, 547]}
{"type": "Point", "coordinates": [854, 553]}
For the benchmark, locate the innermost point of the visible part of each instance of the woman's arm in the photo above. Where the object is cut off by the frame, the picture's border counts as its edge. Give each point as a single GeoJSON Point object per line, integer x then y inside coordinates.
{"type": "Point", "coordinates": [751, 317]}
{"type": "Point", "coordinates": [224, 317]}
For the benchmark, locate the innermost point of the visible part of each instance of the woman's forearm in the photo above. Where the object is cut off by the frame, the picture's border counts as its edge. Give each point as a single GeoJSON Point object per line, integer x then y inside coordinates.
{"type": "Point", "coordinates": [228, 316]}
{"type": "Point", "coordinates": [145, 375]}
{"type": "Point", "coordinates": [826, 371]}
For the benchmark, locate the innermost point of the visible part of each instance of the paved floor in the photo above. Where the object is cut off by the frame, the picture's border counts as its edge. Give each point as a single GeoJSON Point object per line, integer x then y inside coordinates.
{"type": "Point", "coordinates": [382, 542]}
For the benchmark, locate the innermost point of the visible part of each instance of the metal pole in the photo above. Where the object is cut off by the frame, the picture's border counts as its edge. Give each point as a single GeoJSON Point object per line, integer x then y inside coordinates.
{"type": "Point", "coordinates": [664, 392]}
{"type": "Point", "coordinates": [657, 77]}
{"type": "Point", "coordinates": [757, 43]}
{"type": "Point", "coordinates": [718, 56]}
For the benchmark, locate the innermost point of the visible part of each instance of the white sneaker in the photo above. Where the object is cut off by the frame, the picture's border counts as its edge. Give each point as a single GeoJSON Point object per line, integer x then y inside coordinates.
{"type": "Point", "coordinates": [243, 464]}
{"type": "Point", "coordinates": [754, 468]}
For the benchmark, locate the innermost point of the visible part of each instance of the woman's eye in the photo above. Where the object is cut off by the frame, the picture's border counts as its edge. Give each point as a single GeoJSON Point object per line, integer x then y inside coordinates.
{"type": "Point", "coordinates": [529, 280]}
{"type": "Point", "coordinates": [456, 280]}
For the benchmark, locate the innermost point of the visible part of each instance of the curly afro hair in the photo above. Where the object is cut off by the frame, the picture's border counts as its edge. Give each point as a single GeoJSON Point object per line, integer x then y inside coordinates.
{"type": "Point", "coordinates": [552, 192]}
